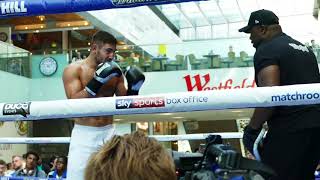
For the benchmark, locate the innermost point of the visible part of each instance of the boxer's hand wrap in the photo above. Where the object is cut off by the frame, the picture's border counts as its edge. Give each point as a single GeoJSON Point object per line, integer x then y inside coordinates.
{"type": "Point", "coordinates": [105, 71]}
{"type": "Point", "coordinates": [249, 137]}
{"type": "Point", "coordinates": [135, 79]}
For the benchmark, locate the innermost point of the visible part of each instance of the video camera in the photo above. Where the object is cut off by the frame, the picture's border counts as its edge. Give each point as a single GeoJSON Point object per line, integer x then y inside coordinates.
{"type": "Point", "coordinates": [218, 162]}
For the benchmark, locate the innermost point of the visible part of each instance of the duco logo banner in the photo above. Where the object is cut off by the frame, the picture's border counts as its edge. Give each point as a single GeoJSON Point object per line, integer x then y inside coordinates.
{"type": "Point", "coordinates": [17, 108]}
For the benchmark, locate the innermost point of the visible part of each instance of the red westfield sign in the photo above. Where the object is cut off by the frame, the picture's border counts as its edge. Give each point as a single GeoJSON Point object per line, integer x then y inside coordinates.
{"type": "Point", "coordinates": [202, 83]}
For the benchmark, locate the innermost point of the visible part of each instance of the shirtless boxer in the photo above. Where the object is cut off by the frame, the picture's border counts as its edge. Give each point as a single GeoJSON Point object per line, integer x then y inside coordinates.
{"type": "Point", "coordinates": [96, 76]}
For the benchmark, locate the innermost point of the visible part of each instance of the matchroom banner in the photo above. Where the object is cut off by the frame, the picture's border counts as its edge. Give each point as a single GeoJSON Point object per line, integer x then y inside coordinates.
{"type": "Point", "coordinates": [11, 8]}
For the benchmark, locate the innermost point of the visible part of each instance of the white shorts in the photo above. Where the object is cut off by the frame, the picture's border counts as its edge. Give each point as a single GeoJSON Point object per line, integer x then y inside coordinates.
{"type": "Point", "coordinates": [85, 140]}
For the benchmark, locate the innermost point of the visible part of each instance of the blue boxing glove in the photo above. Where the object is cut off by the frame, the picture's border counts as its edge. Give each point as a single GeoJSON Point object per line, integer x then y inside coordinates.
{"type": "Point", "coordinates": [105, 71]}
{"type": "Point", "coordinates": [249, 137]}
{"type": "Point", "coordinates": [135, 79]}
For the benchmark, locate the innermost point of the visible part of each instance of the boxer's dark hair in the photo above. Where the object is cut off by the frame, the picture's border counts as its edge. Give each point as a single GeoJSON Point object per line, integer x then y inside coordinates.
{"type": "Point", "coordinates": [102, 37]}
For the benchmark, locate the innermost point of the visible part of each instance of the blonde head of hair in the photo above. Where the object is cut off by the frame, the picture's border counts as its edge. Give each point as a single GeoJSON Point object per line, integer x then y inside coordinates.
{"type": "Point", "coordinates": [131, 157]}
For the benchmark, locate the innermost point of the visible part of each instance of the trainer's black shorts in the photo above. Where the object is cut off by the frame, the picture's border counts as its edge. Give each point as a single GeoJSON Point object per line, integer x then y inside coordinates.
{"type": "Point", "coordinates": [293, 155]}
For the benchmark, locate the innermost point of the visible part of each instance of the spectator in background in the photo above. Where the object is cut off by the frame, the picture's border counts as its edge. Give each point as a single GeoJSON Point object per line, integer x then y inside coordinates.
{"type": "Point", "coordinates": [53, 162]}
{"type": "Point", "coordinates": [14, 66]}
{"type": "Point", "coordinates": [31, 169]}
{"type": "Point", "coordinates": [10, 169]}
{"type": "Point", "coordinates": [132, 156]}
{"type": "Point", "coordinates": [134, 57]}
{"type": "Point", "coordinates": [60, 171]}
{"type": "Point", "coordinates": [119, 58]}
{"type": "Point", "coordinates": [3, 167]}
{"type": "Point", "coordinates": [231, 53]}
{"type": "Point", "coordinates": [307, 44]}
{"type": "Point", "coordinates": [313, 44]}
{"type": "Point", "coordinates": [315, 48]}
{"type": "Point", "coordinates": [17, 163]}
{"type": "Point", "coordinates": [43, 166]}
{"type": "Point", "coordinates": [77, 57]}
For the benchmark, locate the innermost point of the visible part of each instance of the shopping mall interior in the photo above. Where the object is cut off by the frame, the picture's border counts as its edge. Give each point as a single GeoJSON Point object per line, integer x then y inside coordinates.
{"type": "Point", "coordinates": [195, 44]}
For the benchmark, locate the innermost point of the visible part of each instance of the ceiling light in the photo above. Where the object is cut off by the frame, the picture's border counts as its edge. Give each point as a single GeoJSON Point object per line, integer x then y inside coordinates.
{"type": "Point", "coordinates": [29, 27]}
{"type": "Point", "coordinates": [237, 111]}
{"type": "Point", "coordinates": [121, 43]}
{"type": "Point", "coordinates": [72, 23]}
{"type": "Point", "coordinates": [42, 18]}
{"type": "Point", "coordinates": [89, 43]}
{"type": "Point", "coordinates": [177, 117]}
{"type": "Point", "coordinates": [142, 125]}
{"type": "Point", "coordinates": [165, 114]}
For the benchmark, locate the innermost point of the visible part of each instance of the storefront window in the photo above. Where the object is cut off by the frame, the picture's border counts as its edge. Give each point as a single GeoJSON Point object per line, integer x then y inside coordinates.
{"type": "Point", "coordinates": [159, 128]}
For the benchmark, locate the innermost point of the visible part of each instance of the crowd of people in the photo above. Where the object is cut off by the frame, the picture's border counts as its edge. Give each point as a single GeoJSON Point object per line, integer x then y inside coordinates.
{"type": "Point", "coordinates": [132, 156]}
{"type": "Point", "coordinates": [31, 165]}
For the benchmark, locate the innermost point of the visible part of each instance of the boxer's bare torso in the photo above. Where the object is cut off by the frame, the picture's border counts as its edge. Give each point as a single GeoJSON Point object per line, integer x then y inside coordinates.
{"type": "Point", "coordinates": [76, 77]}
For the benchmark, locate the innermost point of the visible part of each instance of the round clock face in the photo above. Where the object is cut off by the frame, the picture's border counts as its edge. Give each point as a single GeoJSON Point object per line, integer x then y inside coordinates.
{"type": "Point", "coordinates": [48, 66]}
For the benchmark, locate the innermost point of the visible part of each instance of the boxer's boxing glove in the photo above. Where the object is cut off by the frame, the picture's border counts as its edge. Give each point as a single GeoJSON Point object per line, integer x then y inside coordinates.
{"type": "Point", "coordinates": [135, 79]}
{"type": "Point", "coordinates": [105, 71]}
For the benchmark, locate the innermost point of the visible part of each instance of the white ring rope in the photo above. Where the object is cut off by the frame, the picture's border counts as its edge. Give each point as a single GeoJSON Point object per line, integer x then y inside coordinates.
{"type": "Point", "coordinates": [159, 103]}
{"type": "Point", "coordinates": [66, 140]}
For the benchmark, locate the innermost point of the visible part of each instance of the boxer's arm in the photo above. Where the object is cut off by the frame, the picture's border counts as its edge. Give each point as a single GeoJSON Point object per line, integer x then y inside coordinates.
{"type": "Point", "coordinates": [72, 84]}
{"type": "Point", "coordinates": [268, 76]}
{"type": "Point", "coordinates": [121, 90]}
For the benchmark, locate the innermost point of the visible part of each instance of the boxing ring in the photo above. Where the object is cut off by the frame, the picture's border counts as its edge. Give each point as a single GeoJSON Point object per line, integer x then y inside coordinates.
{"type": "Point", "coordinates": [159, 103]}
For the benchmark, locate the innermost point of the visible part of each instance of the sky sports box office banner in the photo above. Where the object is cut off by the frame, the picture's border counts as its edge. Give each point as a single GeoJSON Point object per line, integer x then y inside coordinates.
{"type": "Point", "coordinates": [199, 90]}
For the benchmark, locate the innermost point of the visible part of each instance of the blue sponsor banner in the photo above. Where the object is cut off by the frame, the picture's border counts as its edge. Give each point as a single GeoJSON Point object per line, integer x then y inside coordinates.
{"type": "Point", "coordinates": [11, 8]}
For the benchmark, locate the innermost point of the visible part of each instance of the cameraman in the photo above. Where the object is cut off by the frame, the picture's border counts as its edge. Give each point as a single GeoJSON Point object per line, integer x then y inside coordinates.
{"type": "Point", "coordinates": [131, 157]}
{"type": "Point", "coordinates": [291, 146]}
